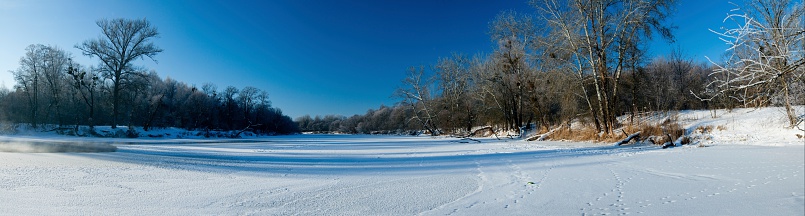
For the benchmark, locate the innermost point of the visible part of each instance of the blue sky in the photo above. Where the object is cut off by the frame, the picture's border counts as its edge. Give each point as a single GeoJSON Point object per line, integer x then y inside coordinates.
{"type": "Point", "coordinates": [313, 57]}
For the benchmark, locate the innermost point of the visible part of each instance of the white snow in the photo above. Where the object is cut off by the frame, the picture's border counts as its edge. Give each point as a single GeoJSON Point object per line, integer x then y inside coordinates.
{"type": "Point", "coordinates": [389, 175]}
{"type": "Point", "coordinates": [766, 126]}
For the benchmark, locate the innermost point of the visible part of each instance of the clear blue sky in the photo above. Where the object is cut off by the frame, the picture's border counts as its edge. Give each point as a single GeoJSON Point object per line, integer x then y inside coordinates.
{"type": "Point", "coordinates": [313, 57]}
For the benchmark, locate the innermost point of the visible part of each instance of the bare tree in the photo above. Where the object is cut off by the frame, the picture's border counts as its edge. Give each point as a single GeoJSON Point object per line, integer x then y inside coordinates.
{"type": "Point", "coordinates": [54, 68]}
{"type": "Point", "coordinates": [765, 55]}
{"type": "Point", "coordinates": [600, 38]}
{"type": "Point", "coordinates": [122, 41]}
{"type": "Point", "coordinates": [417, 95]}
{"type": "Point", "coordinates": [248, 101]}
{"type": "Point", "coordinates": [28, 77]}
{"type": "Point", "coordinates": [230, 107]}
{"type": "Point", "coordinates": [454, 84]}
{"type": "Point", "coordinates": [510, 67]}
{"type": "Point", "coordinates": [86, 82]}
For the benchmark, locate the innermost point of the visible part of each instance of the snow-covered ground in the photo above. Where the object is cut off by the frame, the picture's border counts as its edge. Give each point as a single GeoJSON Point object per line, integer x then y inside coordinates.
{"type": "Point", "coordinates": [389, 175]}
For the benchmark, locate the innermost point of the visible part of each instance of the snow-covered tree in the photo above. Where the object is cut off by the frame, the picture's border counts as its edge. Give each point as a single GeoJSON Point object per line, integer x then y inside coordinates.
{"type": "Point", "coordinates": [765, 56]}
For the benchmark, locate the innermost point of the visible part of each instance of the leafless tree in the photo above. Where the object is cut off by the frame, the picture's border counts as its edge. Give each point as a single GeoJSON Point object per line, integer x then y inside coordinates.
{"type": "Point", "coordinates": [765, 55]}
{"type": "Point", "coordinates": [55, 65]}
{"type": "Point", "coordinates": [509, 68]}
{"type": "Point", "coordinates": [417, 95]}
{"type": "Point", "coordinates": [454, 84]}
{"type": "Point", "coordinates": [86, 82]}
{"type": "Point", "coordinates": [599, 38]}
{"type": "Point", "coordinates": [122, 41]}
{"type": "Point", "coordinates": [29, 77]}
{"type": "Point", "coordinates": [248, 100]}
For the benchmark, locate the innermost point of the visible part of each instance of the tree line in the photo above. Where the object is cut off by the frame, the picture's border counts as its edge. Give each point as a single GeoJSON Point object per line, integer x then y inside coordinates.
{"type": "Point", "coordinates": [585, 60]}
{"type": "Point", "coordinates": [52, 89]}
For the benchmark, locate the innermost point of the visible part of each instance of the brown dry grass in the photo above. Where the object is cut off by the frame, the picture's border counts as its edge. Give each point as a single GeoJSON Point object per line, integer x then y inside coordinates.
{"type": "Point", "coordinates": [585, 133]}
{"type": "Point", "coordinates": [657, 133]}
{"type": "Point", "coordinates": [672, 128]}
{"type": "Point", "coordinates": [705, 129]}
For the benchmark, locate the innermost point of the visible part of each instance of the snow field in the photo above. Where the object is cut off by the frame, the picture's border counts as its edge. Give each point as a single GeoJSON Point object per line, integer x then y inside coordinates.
{"type": "Point", "coordinates": [379, 175]}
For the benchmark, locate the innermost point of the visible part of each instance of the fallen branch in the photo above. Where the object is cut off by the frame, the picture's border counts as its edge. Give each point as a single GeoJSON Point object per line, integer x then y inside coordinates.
{"type": "Point", "coordinates": [494, 132]}
{"type": "Point", "coordinates": [629, 138]}
{"type": "Point", "coordinates": [475, 132]}
{"type": "Point", "coordinates": [542, 137]}
{"type": "Point", "coordinates": [679, 141]}
{"type": "Point", "coordinates": [248, 127]}
{"type": "Point", "coordinates": [467, 140]}
{"type": "Point", "coordinates": [682, 140]}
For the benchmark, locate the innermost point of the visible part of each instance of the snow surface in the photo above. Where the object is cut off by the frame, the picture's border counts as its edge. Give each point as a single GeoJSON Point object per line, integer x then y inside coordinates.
{"type": "Point", "coordinates": [767, 126]}
{"type": "Point", "coordinates": [759, 174]}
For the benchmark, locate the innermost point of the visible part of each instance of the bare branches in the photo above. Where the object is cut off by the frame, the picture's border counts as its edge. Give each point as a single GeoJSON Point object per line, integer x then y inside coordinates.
{"type": "Point", "coordinates": [766, 55]}
{"type": "Point", "coordinates": [417, 95]}
{"type": "Point", "coordinates": [601, 39]}
{"type": "Point", "coordinates": [122, 41]}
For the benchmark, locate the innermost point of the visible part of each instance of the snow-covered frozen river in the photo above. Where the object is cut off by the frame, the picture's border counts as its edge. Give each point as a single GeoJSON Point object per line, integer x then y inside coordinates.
{"type": "Point", "coordinates": [387, 175]}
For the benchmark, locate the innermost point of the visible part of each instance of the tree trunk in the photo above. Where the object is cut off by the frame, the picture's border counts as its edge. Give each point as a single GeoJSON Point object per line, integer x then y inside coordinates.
{"type": "Point", "coordinates": [590, 106]}
{"type": "Point", "coordinates": [92, 111]}
{"type": "Point", "coordinates": [629, 138]}
{"type": "Point", "coordinates": [789, 110]}
{"type": "Point", "coordinates": [115, 102]}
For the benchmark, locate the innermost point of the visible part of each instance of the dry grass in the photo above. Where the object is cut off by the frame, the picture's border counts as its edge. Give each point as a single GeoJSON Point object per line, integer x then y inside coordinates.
{"type": "Point", "coordinates": [704, 129]}
{"type": "Point", "coordinates": [674, 129]}
{"type": "Point", "coordinates": [656, 133]}
{"type": "Point", "coordinates": [585, 133]}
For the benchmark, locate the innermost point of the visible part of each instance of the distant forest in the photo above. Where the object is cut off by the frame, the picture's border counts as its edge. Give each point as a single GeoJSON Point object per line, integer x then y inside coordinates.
{"type": "Point", "coordinates": [585, 61]}
{"type": "Point", "coordinates": [54, 91]}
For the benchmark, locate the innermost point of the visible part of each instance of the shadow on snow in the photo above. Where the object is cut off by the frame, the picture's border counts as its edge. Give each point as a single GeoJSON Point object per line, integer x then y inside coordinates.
{"type": "Point", "coordinates": [259, 157]}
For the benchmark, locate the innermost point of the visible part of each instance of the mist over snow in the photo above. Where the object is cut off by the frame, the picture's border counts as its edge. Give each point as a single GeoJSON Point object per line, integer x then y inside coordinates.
{"type": "Point", "coordinates": [53, 147]}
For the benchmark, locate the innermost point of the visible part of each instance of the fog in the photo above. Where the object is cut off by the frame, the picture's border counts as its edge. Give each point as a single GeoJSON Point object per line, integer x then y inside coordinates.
{"type": "Point", "coordinates": [54, 147]}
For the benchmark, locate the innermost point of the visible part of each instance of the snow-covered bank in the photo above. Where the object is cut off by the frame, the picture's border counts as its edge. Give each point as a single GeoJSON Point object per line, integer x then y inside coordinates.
{"type": "Point", "coordinates": [386, 175]}
{"type": "Point", "coordinates": [764, 126]}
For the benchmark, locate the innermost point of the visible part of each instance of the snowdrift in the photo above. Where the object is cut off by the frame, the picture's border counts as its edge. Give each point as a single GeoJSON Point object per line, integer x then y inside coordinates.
{"type": "Point", "coordinates": [762, 126]}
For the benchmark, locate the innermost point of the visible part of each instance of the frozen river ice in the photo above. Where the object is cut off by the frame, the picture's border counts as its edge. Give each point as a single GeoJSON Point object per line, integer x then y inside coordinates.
{"type": "Point", "coordinates": [388, 175]}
